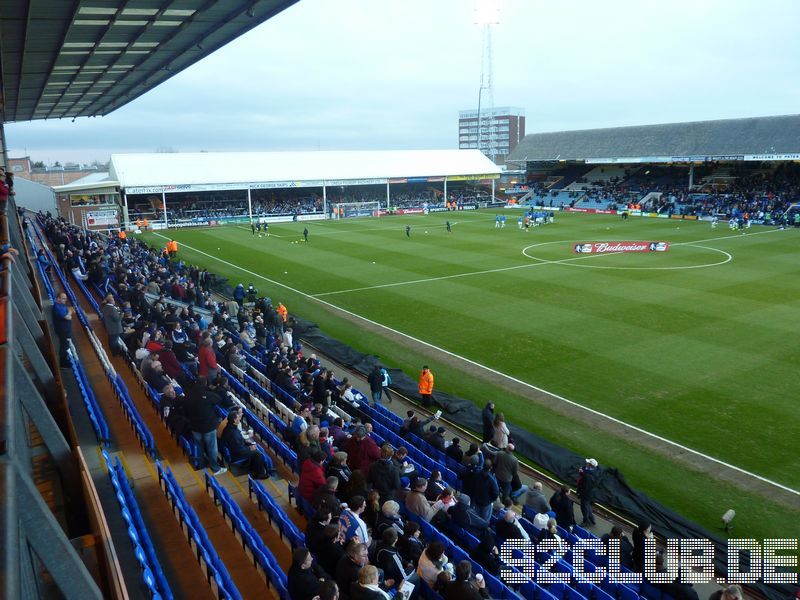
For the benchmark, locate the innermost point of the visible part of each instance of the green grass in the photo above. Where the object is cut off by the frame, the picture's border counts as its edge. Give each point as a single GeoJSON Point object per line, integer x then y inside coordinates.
{"type": "Point", "coordinates": [701, 356]}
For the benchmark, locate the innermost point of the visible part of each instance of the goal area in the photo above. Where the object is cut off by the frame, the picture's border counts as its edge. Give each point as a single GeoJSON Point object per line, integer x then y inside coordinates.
{"type": "Point", "coordinates": [346, 210]}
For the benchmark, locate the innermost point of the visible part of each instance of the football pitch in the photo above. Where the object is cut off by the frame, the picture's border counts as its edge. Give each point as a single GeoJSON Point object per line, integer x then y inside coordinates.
{"type": "Point", "coordinates": [697, 345]}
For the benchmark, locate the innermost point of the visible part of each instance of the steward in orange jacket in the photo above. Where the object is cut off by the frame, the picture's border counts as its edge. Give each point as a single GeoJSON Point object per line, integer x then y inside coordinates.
{"type": "Point", "coordinates": [426, 385]}
{"type": "Point", "coordinates": [281, 310]}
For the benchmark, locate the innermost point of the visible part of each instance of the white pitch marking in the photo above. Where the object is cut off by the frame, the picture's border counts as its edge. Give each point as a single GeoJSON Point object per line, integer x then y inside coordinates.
{"type": "Point", "coordinates": [501, 374]}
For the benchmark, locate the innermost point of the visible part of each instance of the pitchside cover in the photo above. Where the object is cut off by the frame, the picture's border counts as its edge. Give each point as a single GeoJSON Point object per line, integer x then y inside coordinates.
{"type": "Point", "coordinates": [605, 247]}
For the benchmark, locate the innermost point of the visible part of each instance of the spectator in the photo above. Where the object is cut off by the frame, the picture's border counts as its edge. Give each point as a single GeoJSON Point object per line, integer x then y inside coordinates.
{"type": "Point", "coordinates": [203, 422]}
{"type": "Point", "coordinates": [731, 592]}
{"type": "Point", "coordinates": [367, 587]}
{"type": "Point", "coordinates": [432, 562]}
{"type": "Point", "coordinates": [304, 577]}
{"type": "Point", "coordinates": [625, 546]}
{"type": "Point", "coordinates": [587, 482]}
{"type": "Point", "coordinates": [362, 450]}
{"type": "Point", "coordinates": [351, 525]}
{"type": "Point", "coordinates": [509, 527]}
{"type": "Point", "coordinates": [464, 586]}
{"type": "Point", "coordinates": [62, 323]}
{"type": "Point", "coordinates": [330, 550]}
{"type": "Point", "coordinates": [562, 506]}
{"type": "Point", "coordinates": [312, 476]}
{"type": "Point", "coordinates": [486, 553]}
{"type": "Point", "coordinates": [208, 360]}
{"type": "Point", "coordinates": [536, 499]}
{"type": "Point", "coordinates": [325, 497]}
{"type": "Point", "coordinates": [436, 485]}
{"type": "Point", "coordinates": [383, 474]}
{"type": "Point", "coordinates": [454, 450]}
{"type": "Point", "coordinates": [506, 470]}
{"type": "Point", "coordinates": [550, 532]}
{"type": "Point", "coordinates": [375, 380]}
{"type": "Point", "coordinates": [641, 534]}
{"type": "Point", "coordinates": [112, 319]}
{"type": "Point", "coordinates": [372, 509]}
{"type": "Point", "coordinates": [500, 437]}
{"type": "Point", "coordinates": [484, 491]}
{"type": "Point", "coordinates": [462, 516]}
{"type": "Point", "coordinates": [410, 543]}
{"type": "Point", "coordinates": [389, 560]}
{"type": "Point", "coordinates": [338, 468]}
{"type": "Point", "coordinates": [389, 518]}
{"type": "Point", "coordinates": [416, 503]}
{"type": "Point", "coordinates": [243, 450]}
{"type": "Point", "coordinates": [487, 417]}
{"type": "Point", "coordinates": [350, 565]}
{"type": "Point", "coordinates": [315, 529]}
{"type": "Point", "coordinates": [436, 439]}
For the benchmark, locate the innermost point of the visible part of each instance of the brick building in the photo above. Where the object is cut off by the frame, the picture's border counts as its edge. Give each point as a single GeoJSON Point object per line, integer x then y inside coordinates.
{"type": "Point", "coordinates": [503, 129]}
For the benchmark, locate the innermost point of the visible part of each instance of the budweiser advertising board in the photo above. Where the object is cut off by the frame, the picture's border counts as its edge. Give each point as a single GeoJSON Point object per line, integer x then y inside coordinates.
{"type": "Point", "coordinates": [605, 247]}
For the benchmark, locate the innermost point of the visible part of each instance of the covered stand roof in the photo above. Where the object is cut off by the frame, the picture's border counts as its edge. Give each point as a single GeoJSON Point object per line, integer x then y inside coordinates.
{"type": "Point", "coordinates": [292, 169]}
{"type": "Point", "coordinates": [732, 139]}
{"type": "Point", "coordinates": [72, 58]}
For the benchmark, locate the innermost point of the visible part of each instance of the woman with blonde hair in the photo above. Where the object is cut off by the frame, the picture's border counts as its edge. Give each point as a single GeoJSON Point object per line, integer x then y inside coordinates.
{"type": "Point", "coordinates": [501, 431]}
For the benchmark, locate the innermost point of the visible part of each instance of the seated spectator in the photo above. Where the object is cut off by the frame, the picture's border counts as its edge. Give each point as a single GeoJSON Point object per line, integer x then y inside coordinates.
{"type": "Point", "coordinates": [432, 562]}
{"type": "Point", "coordinates": [454, 450]}
{"type": "Point", "coordinates": [443, 581]}
{"type": "Point", "coordinates": [325, 497]}
{"type": "Point", "coordinates": [466, 518]}
{"type": "Point", "coordinates": [551, 533]}
{"type": "Point", "coordinates": [338, 468]}
{"type": "Point", "coordinates": [486, 553]}
{"type": "Point", "coordinates": [368, 587]}
{"type": "Point", "coordinates": [356, 487]}
{"type": "Point", "coordinates": [436, 485]}
{"type": "Point", "coordinates": [240, 444]}
{"type": "Point", "coordinates": [304, 577]}
{"type": "Point", "coordinates": [157, 379]}
{"type": "Point", "coordinates": [315, 529]}
{"type": "Point", "coordinates": [312, 476]}
{"type": "Point", "coordinates": [351, 525]}
{"type": "Point", "coordinates": [404, 467]}
{"type": "Point", "coordinates": [350, 565]}
{"type": "Point", "coordinates": [509, 527]}
{"type": "Point", "coordinates": [387, 558]}
{"type": "Point", "coordinates": [464, 586]}
{"type": "Point", "coordinates": [338, 434]}
{"type": "Point", "coordinates": [436, 439]}
{"type": "Point", "coordinates": [411, 544]}
{"type": "Point", "coordinates": [625, 546]}
{"type": "Point", "coordinates": [536, 499]}
{"type": "Point", "coordinates": [170, 363]}
{"type": "Point", "coordinates": [330, 550]}
{"type": "Point", "coordinates": [540, 520]}
{"type": "Point", "coordinates": [416, 503]}
{"type": "Point", "coordinates": [372, 509]}
{"type": "Point", "coordinates": [307, 444]}
{"type": "Point", "coordinates": [389, 518]}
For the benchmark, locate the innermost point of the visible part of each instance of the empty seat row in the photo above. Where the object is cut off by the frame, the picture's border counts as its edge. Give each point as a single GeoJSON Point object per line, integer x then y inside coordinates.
{"type": "Point", "coordinates": [262, 556]}
{"type": "Point", "coordinates": [190, 523]}
{"type": "Point", "coordinates": [276, 514]}
{"type": "Point", "coordinates": [152, 574]}
{"type": "Point", "coordinates": [89, 399]}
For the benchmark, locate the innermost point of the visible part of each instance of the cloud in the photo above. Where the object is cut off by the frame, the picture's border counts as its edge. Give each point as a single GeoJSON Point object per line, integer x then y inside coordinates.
{"type": "Point", "coordinates": [359, 74]}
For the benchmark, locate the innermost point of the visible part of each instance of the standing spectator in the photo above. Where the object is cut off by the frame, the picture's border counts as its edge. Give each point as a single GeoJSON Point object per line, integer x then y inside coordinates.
{"type": "Point", "coordinates": [454, 450]}
{"type": "Point", "coordinates": [203, 422]}
{"type": "Point", "coordinates": [208, 360]}
{"type": "Point", "coordinates": [484, 490]}
{"type": "Point", "coordinates": [536, 500]}
{"type": "Point", "coordinates": [487, 416]}
{"type": "Point", "coordinates": [426, 385]}
{"type": "Point", "coordinates": [562, 506]}
{"type": "Point", "coordinates": [625, 546]}
{"type": "Point", "coordinates": [387, 381]}
{"type": "Point", "coordinates": [362, 450]}
{"type": "Point", "coordinates": [383, 474]}
{"type": "Point", "coordinates": [62, 323]}
{"type": "Point", "coordinates": [500, 437]}
{"type": "Point", "coordinates": [112, 319]}
{"type": "Point", "coordinates": [587, 482]}
{"type": "Point", "coordinates": [506, 470]}
{"type": "Point", "coordinates": [375, 380]}
{"type": "Point", "coordinates": [641, 534]}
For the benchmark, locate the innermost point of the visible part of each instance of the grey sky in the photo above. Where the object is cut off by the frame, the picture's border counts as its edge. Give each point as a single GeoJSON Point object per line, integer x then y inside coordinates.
{"type": "Point", "coordinates": [364, 74]}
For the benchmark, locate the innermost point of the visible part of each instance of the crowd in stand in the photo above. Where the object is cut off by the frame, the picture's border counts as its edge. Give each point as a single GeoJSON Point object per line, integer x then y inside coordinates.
{"type": "Point", "coordinates": [360, 543]}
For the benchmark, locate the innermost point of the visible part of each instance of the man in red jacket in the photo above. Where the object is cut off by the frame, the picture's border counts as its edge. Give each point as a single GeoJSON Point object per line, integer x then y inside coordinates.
{"type": "Point", "coordinates": [362, 451]}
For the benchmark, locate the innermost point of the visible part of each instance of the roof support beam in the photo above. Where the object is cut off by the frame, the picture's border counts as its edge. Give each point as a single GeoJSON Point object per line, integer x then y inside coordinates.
{"type": "Point", "coordinates": [23, 49]}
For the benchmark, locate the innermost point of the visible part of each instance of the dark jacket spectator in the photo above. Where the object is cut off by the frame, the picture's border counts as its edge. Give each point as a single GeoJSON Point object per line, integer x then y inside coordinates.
{"type": "Point", "coordinates": [562, 505]}
{"type": "Point", "coordinates": [487, 417]}
{"type": "Point", "coordinates": [383, 475]}
{"type": "Point", "coordinates": [303, 578]}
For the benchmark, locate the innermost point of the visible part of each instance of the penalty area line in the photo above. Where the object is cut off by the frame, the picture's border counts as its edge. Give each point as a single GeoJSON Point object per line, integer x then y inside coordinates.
{"type": "Point", "coordinates": [502, 375]}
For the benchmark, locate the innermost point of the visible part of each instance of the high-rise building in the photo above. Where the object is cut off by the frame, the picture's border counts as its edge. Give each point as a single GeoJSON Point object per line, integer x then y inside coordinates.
{"type": "Point", "coordinates": [502, 129]}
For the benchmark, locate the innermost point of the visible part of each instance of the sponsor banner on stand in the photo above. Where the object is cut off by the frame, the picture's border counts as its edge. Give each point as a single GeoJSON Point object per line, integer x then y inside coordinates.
{"type": "Point", "coordinates": [592, 211]}
{"type": "Point", "coordinates": [97, 218]}
{"type": "Point", "coordinates": [606, 247]}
